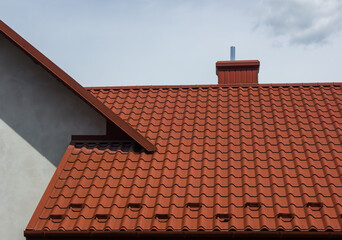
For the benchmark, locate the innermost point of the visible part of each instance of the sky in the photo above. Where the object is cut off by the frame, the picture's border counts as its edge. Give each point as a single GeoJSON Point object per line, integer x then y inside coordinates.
{"type": "Point", "coordinates": [158, 42]}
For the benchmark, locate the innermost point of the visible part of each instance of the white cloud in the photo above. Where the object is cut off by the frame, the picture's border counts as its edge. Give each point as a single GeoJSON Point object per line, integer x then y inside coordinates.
{"type": "Point", "coordinates": [301, 22]}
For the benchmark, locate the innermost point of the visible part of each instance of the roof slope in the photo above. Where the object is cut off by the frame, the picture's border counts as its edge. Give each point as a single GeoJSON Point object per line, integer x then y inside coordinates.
{"type": "Point", "coordinates": [73, 85]}
{"type": "Point", "coordinates": [259, 157]}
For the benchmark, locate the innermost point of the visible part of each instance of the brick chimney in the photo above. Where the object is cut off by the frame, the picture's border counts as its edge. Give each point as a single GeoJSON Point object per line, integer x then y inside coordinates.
{"type": "Point", "coordinates": [237, 71]}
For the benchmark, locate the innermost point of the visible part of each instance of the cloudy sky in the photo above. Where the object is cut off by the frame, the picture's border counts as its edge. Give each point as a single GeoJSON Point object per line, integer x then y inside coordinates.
{"type": "Point", "coordinates": [154, 42]}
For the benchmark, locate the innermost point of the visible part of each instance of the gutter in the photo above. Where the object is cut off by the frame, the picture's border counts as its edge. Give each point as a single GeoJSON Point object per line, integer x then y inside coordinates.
{"type": "Point", "coordinates": [181, 235]}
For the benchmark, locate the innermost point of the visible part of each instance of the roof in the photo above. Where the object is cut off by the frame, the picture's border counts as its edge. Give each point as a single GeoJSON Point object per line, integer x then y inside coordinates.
{"type": "Point", "coordinates": [73, 85]}
{"type": "Point", "coordinates": [229, 157]}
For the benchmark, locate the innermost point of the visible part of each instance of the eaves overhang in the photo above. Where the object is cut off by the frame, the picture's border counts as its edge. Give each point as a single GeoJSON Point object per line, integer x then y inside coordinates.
{"type": "Point", "coordinates": [68, 81]}
{"type": "Point", "coordinates": [173, 235]}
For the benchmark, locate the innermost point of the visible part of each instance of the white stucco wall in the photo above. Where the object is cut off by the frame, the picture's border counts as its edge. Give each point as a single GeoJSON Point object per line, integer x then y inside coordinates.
{"type": "Point", "coordinates": [38, 115]}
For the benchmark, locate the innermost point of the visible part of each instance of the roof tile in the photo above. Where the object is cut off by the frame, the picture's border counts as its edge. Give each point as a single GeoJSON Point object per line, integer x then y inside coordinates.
{"type": "Point", "coordinates": [224, 148]}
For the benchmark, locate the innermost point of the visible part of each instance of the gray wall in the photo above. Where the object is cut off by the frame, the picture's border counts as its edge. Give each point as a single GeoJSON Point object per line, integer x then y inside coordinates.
{"type": "Point", "coordinates": [38, 115]}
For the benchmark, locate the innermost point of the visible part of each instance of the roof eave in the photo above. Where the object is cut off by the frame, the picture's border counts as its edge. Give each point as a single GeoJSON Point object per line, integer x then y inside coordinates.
{"type": "Point", "coordinates": [182, 234]}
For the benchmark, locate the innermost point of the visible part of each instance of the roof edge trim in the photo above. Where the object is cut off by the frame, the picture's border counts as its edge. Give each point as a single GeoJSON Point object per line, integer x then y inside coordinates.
{"type": "Point", "coordinates": [185, 234]}
{"type": "Point", "coordinates": [74, 86]}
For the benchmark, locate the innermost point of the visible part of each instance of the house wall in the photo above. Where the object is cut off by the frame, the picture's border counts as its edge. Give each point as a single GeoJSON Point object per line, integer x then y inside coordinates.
{"type": "Point", "coordinates": [38, 115]}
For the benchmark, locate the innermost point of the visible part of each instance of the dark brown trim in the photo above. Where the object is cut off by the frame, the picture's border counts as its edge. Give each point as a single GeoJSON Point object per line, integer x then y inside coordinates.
{"type": "Point", "coordinates": [148, 235]}
{"type": "Point", "coordinates": [74, 86]}
{"type": "Point", "coordinates": [87, 138]}
{"type": "Point", "coordinates": [98, 138]}
{"type": "Point", "coordinates": [240, 63]}
{"type": "Point", "coordinates": [264, 85]}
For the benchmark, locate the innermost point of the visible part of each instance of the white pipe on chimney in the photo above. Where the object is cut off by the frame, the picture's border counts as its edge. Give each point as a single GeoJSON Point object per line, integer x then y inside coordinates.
{"type": "Point", "coordinates": [232, 53]}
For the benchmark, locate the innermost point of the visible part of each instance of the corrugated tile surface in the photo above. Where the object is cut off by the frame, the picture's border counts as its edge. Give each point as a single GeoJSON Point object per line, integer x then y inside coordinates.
{"type": "Point", "coordinates": [258, 158]}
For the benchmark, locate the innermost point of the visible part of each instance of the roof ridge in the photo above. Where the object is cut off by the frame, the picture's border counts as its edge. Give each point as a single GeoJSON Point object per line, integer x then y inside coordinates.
{"type": "Point", "coordinates": [234, 85]}
{"type": "Point", "coordinates": [74, 86]}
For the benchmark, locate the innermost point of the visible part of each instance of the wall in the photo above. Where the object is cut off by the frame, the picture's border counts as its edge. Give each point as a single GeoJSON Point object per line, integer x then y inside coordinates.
{"type": "Point", "coordinates": [38, 115]}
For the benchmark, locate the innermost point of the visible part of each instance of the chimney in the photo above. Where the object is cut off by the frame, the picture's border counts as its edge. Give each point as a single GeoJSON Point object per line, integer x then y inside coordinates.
{"type": "Point", "coordinates": [237, 71]}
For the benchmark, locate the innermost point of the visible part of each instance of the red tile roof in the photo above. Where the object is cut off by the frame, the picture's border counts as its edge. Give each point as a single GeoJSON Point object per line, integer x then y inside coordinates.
{"type": "Point", "coordinates": [252, 157]}
{"type": "Point", "coordinates": [73, 85]}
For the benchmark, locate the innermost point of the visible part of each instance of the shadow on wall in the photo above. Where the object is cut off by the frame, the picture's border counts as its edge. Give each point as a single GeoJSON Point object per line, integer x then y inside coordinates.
{"type": "Point", "coordinates": [39, 108]}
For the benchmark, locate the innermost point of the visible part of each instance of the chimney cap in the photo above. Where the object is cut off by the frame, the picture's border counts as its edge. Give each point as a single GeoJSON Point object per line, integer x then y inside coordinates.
{"type": "Point", "coordinates": [240, 63]}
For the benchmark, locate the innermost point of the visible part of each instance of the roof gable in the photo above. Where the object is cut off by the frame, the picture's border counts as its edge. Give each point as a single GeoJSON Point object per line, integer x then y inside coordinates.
{"type": "Point", "coordinates": [74, 86]}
